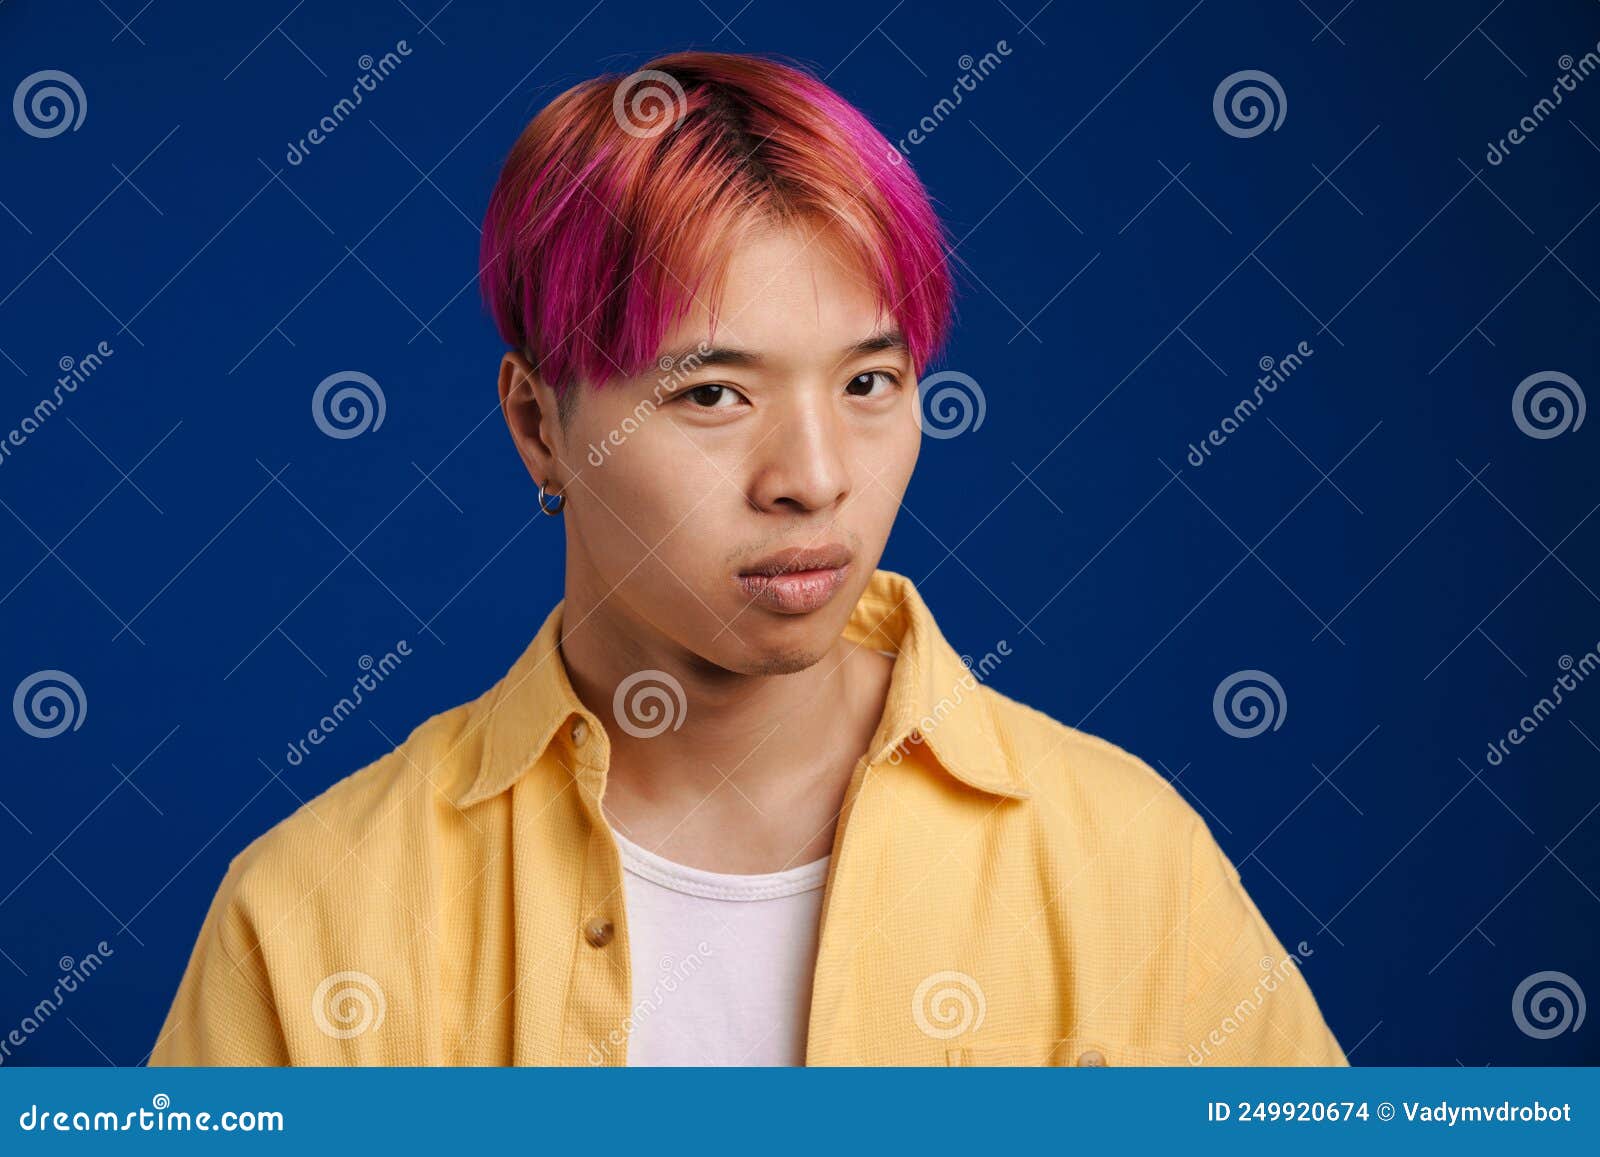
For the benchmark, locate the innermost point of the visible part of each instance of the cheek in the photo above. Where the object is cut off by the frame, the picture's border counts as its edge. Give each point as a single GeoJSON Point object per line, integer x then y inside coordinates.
{"type": "Point", "coordinates": [889, 452]}
{"type": "Point", "coordinates": [653, 492]}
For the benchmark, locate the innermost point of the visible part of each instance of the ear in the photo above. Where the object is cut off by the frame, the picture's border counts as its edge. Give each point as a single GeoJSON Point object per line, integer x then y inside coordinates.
{"type": "Point", "coordinates": [530, 408]}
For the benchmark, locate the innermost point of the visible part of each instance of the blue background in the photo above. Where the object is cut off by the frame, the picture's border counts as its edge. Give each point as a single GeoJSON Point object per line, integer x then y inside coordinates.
{"type": "Point", "coordinates": [1381, 536]}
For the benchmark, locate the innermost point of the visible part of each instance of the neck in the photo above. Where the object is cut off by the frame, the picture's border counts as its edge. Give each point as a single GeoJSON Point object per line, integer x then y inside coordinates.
{"type": "Point", "coordinates": [751, 777]}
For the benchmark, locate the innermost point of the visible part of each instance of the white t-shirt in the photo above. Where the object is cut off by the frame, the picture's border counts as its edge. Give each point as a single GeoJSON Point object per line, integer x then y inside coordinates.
{"type": "Point", "coordinates": [722, 963]}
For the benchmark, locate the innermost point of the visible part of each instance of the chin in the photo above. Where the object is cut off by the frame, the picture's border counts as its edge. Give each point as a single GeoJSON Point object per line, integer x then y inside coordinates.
{"type": "Point", "coordinates": [758, 641]}
{"type": "Point", "coordinates": [785, 646]}
{"type": "Point", "coordinates": [784, 662]}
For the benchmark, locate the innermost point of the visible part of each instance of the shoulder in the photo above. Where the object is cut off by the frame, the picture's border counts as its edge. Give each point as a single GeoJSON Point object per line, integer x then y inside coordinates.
{"type": "Point", "coordinates": [1088, 789]}
{"type": "Point", "coordinates": [363, 831]}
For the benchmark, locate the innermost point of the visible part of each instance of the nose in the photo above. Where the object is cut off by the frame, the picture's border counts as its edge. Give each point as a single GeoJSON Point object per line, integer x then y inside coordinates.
{"type": "Point", "coordinates": [802, 464]}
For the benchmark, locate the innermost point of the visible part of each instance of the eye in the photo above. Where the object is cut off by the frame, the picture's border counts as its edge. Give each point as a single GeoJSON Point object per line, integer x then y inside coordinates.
{"type": "Point", "coordinates": [711, 396]}
{"type": "Point", "coordinates": [863, 385]}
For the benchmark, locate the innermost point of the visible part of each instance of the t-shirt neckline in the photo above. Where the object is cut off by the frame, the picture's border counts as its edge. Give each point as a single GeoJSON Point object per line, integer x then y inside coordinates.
{"type": "Point", "coordinates": [736, 886]}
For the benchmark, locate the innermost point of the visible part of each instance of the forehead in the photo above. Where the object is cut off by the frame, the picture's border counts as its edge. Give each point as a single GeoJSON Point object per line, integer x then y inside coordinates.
{"type": "Point", "coordinates": [785, 289]}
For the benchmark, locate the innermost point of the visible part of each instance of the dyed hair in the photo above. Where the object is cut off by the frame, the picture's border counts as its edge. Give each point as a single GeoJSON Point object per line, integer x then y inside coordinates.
{"type": "Point", "coordinates": [624, 198]}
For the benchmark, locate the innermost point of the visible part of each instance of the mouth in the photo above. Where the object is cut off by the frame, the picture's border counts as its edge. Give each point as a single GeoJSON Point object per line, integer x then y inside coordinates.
{"type": "Point", "coordinates": [796, 581]}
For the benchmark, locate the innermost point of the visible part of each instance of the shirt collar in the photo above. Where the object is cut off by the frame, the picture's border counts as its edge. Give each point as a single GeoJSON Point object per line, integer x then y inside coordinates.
{"type": "Point", "coordinates": [934, 698]}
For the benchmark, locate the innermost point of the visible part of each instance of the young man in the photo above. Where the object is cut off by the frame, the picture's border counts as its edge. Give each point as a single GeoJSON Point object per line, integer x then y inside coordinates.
{"type": "Point", "coordinates": [739, 802]}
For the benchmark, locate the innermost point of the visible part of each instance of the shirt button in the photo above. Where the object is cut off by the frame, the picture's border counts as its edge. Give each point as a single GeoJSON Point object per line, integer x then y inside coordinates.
{"type": "Point", "coordinates": [580, 732]}
{"type": "Point", "coordinates": [599, 933]}
{"type": "Point", "coordinates": [1094, 1058]}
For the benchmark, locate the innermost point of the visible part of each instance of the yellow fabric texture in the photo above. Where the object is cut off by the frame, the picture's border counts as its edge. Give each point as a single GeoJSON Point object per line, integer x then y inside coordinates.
{"type": "Point", "coordinates": [1003, 890]}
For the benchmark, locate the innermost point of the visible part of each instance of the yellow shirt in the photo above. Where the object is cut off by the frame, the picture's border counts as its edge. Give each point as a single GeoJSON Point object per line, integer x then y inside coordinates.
{"type": "Point", "coordinates": [1003, 890]}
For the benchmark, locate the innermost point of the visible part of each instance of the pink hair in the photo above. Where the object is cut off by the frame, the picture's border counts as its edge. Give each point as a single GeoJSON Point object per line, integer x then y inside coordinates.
{"type": "Point", "coordinates": [623, 198]}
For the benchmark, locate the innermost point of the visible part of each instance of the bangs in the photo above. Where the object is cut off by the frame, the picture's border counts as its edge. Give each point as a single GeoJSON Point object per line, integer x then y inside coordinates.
{"type": "Point", "coordinates": [621, 203]}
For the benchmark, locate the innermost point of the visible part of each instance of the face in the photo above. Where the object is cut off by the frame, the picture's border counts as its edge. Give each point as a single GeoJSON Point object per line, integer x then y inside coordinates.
{"type": "Point", "coordinates": [736, 499]}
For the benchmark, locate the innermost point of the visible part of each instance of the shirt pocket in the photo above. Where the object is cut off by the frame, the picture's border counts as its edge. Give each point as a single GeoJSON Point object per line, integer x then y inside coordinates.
{"type": "Point", "coordinates": [1076, 1051]}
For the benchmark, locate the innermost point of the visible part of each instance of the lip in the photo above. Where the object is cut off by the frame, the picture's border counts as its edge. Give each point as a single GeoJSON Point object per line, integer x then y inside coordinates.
{"type": "Point", "coordinates": [796, 581]}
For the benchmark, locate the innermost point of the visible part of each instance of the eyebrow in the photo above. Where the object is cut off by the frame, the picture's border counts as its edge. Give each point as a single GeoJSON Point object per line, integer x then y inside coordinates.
{"type": "Point", "coordinates": [890, 339]}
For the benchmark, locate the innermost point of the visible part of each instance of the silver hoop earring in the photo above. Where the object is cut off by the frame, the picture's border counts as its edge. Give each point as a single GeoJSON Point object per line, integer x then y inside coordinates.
{"type": "Point", "coordinates": [545, 507]}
